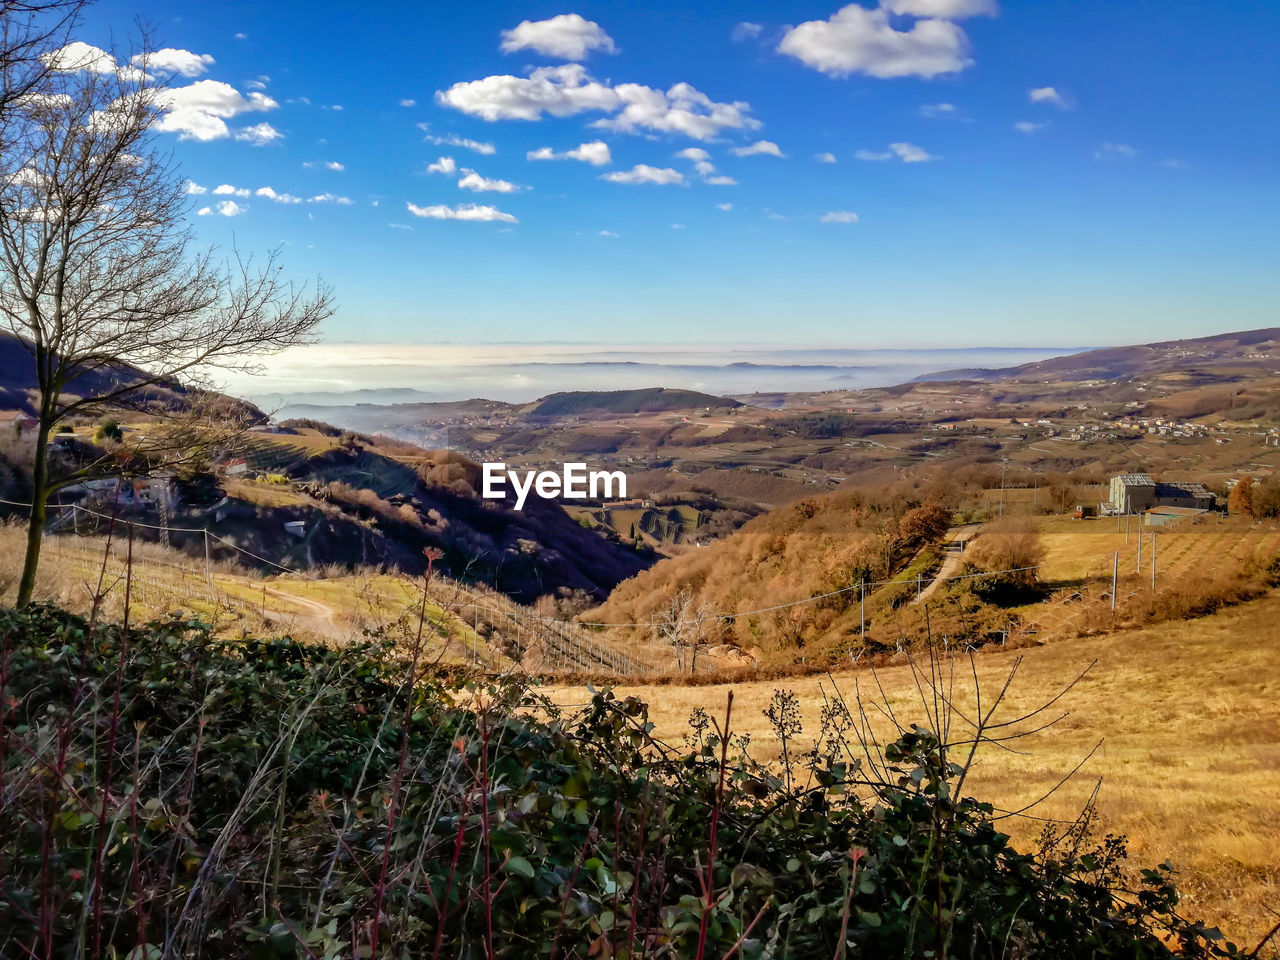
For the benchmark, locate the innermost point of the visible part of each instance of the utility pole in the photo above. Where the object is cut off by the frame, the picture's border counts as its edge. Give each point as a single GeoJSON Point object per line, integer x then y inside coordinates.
{"type": "Point", "coordinates": [1115, 575]}
{"type": "Point", "coordinates": [1153, 559]}
{"type": "Point", "coordinates": [862, 605]}
{"type": "Point", "coordinates": [1126, 528]}
{"type": "Point", "coordinates": [1004, 465]}
{"type": "Point", "coordinates": [1139, 550]}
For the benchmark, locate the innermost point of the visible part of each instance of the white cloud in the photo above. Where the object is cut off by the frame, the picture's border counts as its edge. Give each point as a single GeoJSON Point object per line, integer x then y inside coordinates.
{"type": "Point", "coordinates": [407, 103]}
{"type": "Point", "coordinates": [171, 60]}
{"type": "Point", "coordinates": [260, 134]}
{"type": "Point", "coordinates": [568, 89]}
{"type": "Point", "coordinates": [226, 208]}
{"type": "Point", "coordinates": [198, 110]}
{"type": "Point", "coordinates": [677, 226]}
{"type": "Point", "coordinates": [333, 165]}
{"type": "Point", "coordinates": [726, 207]}
{"type": "Point", "coordinates": [906, 152]}
{"type": "Point", "coordinates": [453, 140]}
{"type": "Point", "coordinates": [1115, 151]}
{"type": "Point", "coordinates": [1027, 126]}
{"type": "Point", "coordinates": [696, 154]}
{"type": "Point", "coordinates": [242, 36]}
{"type": "Point", "coordinates": [861, 40]}
{"type": "Point", "coordinates": [399, 226]}
{"type": "Point", "coordinates": [331, 198]}
{"type": "Point", "coordinates": [745, 31]}
{"type": "Point", "coordinates": [194, 189]}
{"type": "Point", "coordinates": [937, 110]}
{"type": "Point", "coordinates": [825, 157]}
{"type": "Point", "coordinates": [840, 216]}
{"type": "Point", "coordinates": [608, 233]}
{"type": "Point", "coordinates": [943, 9]}
{"type": "Point", "coordinates": [757, 148]}
{"type": "Point", "coordinates": [79, 56]}
{"type": "Point", "coordinates": [595, 153]}
{"type": "Point", "coordinates": [473, 181]}
{"type": "Point", "coordinates": [1048, 95]}
{"type": "Point", "coordinates": [276, 197]}
{"type": "Point", "coordinates": [259, 83]}
{"type": "Point", "coordinates": [566, 37]}
{"type": "Point", "coordinates": [643, 173]}
{"type": "Point", "coordinates": [227, 190]}
{"type": "Point", "coordinates": [443, 165]}
{"type": "Point", "coordinates": [910, 153]}
{"type": "Point", "coordinates": [464, 211]}
{"type": "Point", "coordinates": [720, 181]}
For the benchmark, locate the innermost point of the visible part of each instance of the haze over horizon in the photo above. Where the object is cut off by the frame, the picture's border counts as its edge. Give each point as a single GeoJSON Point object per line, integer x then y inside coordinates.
{"type": "Point", "coordinates": [923, 171]}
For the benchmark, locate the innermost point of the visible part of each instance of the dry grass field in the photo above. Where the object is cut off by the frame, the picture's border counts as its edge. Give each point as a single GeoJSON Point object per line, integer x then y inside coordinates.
{"type": "Point", "coordinates": [1188, 715]}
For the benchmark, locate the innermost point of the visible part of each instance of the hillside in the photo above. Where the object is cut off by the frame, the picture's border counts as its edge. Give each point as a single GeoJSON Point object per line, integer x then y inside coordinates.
{"type": "Point", "coordinates": [1249, 350]}
{"type": "Point", "coordinates": [18, 382]}
{"type": "Point", "coordinates": [651, 400]}
{"type": "Point", "coordinates": [794, 553]}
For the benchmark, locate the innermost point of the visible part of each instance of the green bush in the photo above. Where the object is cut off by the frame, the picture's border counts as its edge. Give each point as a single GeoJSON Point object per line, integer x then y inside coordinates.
{"type": "Point", "coordinates": [168, 793]}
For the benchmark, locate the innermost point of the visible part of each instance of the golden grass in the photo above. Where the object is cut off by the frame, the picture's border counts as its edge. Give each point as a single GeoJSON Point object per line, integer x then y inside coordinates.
{"type": "Point", "coordinates": [1189, 718]}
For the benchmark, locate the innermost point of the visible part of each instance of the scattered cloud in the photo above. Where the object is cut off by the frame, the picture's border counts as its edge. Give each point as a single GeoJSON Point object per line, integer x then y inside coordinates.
{"type": "Point", "coordinates": [443, 165]}
{"type": "Point", "coordinates": [568, 89]}
{"type": "Point", "coordinates": [241, 36]}
{"type": "Point", "coordinates": [759, 147]}
{"type": "Point", "coordinates": [858, 39]}
{"type": "Point", "coordinates": [226, 208]}
{"type": "Point", "coordinates": [566, 37]}
{"type": "Point", "coordinates": [227, 190]}
{"type": "Point", "coordinates": [276, 197]}
{"type": "Point", "coordinates": [171, 60]}
{"type": "Point", "coordinates": [199, 111]}
{"type": "Point", "coordinates": [1048, 95]}
{"type": "Point", "coordinates": [453, 140]}
{"type": "Point", "coordinates": [933, 110]}
{"type": "Point", "coordinates": [259, 83]}
{"type": "Point", "coordinates": [910, 153]}
{"type": "Point", "coordinates": [1028, 126]}
{"type": "Point", "coordinates": [825, 157]}
{"type": "Point", "coordinates": [643, 173]}
{"type": "Point", "coordinates": [399, 226]}
{"type": "Point", "coordinates": [720, 181]}
{"type": "Point", "coordinates": [331, 198]}
{"type": "Point", "coordinates": [408, 102]}
{"type": "Point", "coordinates": [333, 165]}
{"type": "Point", "coordinates": [464, 211]}
{"type": "Point", "coordinates": [840, 216]}
{"type": "Point", "coordinates": [942, 9]}
{"type": "Point", "coordinates": [473, 181]}
{"type": "Point", "coordinates": [260, 134]}
{"type": "Point", "coordinates": [333, 106]}
{"type": "Point", "coordinates": [906, 152]}
{"type": "Point", "coordinates": [595, 153]}
{"type": "Point", "coordinates": [1115, 151]}
{"type": "Point", "coordinates": [726, 207]}
{"type": "Point", "coordinates": [194, 189]}
{"type": "Point", "coordinates": [608, 233]}
{"type": "Point", "coordinates": [677, 226]}
{"type": "Point", "coordinates": [745, 31]}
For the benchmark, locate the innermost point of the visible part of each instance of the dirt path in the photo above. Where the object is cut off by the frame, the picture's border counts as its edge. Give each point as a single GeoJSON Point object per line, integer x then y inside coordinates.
{"type": "Point", "coordinates": [953, 557]}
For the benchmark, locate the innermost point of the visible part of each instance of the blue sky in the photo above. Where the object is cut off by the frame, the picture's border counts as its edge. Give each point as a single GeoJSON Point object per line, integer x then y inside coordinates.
{"type": "Point", "coordinates": [1137, 201]}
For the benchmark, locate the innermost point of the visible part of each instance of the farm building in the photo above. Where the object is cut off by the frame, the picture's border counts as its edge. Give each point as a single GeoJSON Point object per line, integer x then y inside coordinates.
{"type": "Point", "coordinates": [1163, 516]}
{"type": "Point", "coordinates": [1138, 493]}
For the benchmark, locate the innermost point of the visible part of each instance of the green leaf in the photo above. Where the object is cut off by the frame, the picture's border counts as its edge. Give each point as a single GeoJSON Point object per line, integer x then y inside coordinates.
{"type": "Point", "coordinates": [521, 867]}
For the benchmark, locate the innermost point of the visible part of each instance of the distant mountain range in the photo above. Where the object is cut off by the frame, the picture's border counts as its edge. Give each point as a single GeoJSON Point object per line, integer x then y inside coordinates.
{"type": "Point", "coordinates": [1254, 351]}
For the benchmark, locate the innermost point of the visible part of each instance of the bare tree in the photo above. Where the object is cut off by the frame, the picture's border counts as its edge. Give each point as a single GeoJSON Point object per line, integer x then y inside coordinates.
{"type": "Point", "coordinates": [100, 276]}
{"type": "Point", "coordinates": [29, 29]}
{"type": "Point", "coordinates": [682, 624]}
